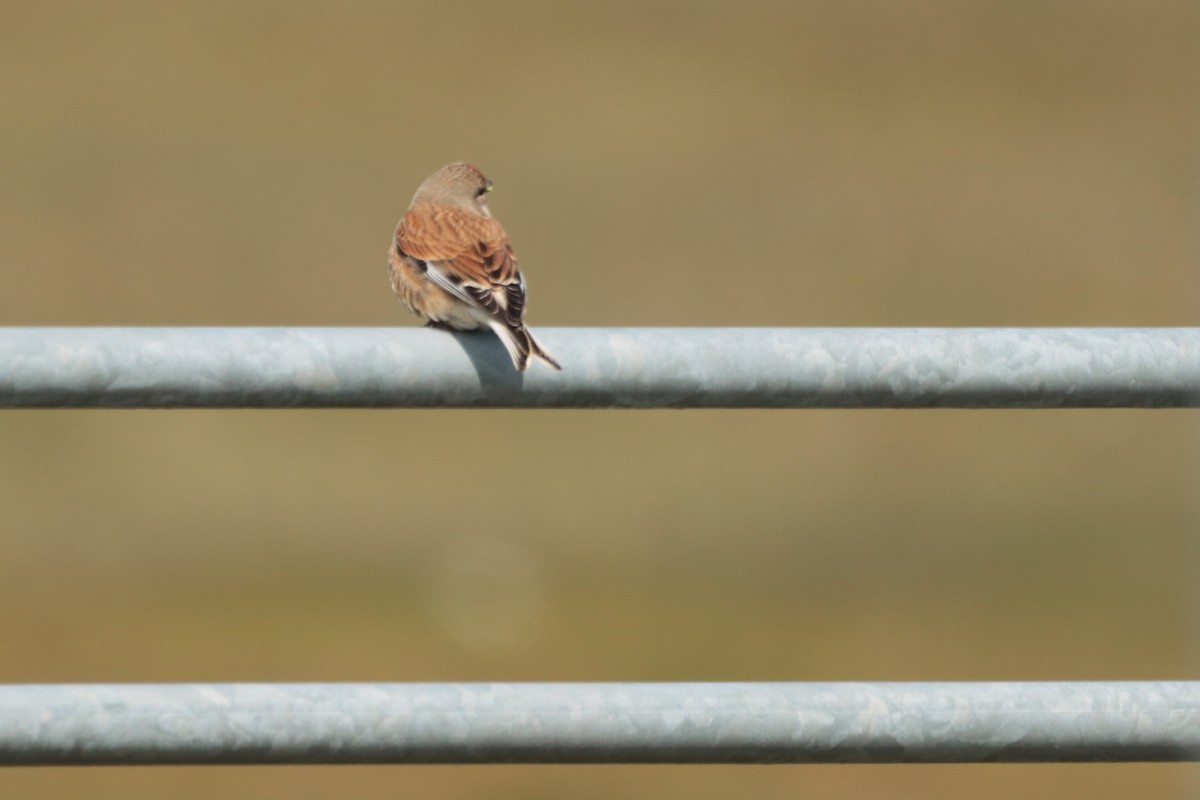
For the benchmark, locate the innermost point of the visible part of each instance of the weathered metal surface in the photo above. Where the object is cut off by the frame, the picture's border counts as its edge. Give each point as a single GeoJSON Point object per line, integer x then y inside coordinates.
{"type": "Point", "coordinates": [602, 368]}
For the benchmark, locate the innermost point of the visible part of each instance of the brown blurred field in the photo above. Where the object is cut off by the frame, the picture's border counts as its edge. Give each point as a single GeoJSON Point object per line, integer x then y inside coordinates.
{"type": "Point", "coordinates": [669, 163]}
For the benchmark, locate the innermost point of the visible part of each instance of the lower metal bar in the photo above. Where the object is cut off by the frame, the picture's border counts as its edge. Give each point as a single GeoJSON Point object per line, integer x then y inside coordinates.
{"type": "Point", "coordinates": [598, 723]}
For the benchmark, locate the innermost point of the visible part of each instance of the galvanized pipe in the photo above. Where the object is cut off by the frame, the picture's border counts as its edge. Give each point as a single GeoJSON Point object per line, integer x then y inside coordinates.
{"type": "Point", "coordinates": [598, 723]}
{"type": "Point", "coordinates": [602, 368]}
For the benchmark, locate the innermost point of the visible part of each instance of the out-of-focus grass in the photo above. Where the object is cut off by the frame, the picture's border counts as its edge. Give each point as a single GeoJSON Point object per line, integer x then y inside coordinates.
{"type": "Point", "coordinates": [825, 163]}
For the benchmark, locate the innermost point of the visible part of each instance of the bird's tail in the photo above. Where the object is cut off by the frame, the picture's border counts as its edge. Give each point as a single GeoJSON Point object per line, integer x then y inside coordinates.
{"type": "Point", "coordinates": [521, 346]}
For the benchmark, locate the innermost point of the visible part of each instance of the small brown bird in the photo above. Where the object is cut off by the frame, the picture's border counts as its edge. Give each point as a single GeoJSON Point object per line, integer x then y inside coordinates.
{"type": "Point", "coordinates": [451, 263]}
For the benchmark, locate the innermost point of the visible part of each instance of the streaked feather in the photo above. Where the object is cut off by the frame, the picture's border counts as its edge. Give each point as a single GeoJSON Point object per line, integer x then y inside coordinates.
{"type": "Point", "coordinates": [467, 256]}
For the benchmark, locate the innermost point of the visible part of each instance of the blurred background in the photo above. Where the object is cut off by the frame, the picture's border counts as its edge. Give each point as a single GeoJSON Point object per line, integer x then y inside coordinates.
{"type": "Point", "coordinates": [917, 162]}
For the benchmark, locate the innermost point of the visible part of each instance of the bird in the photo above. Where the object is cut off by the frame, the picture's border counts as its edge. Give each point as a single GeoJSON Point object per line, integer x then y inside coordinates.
{"type": "Point", "coordinates": [451, 263]}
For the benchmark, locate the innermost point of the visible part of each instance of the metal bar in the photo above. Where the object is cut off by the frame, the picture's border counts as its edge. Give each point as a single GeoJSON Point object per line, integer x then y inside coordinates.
{"type": "Point", "coordinates": [602, 368]}
{"type": "Point", "coordinates": [598, 723]}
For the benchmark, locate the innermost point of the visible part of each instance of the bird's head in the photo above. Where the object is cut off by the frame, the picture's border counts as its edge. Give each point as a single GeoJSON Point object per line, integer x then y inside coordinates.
{"type": "Point", "coordinates": [458, 184]}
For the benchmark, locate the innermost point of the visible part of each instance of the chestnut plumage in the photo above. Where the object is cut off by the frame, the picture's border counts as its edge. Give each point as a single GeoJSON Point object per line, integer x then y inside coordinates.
{"type": "Point", "coordinates": [452, 265]}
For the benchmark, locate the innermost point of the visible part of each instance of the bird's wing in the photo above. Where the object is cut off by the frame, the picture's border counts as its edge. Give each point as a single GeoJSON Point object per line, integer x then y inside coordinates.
{"type": "Point", "coordinates": [471, 248]}
{"type": "Point", "coordinates": [467, 255]}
